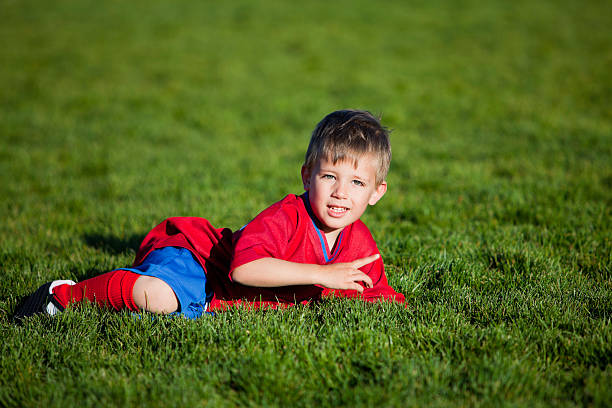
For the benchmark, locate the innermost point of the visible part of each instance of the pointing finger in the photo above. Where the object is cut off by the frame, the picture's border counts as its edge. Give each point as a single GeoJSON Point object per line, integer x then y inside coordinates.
{"type": "Point", "coordinates": [364, 261]}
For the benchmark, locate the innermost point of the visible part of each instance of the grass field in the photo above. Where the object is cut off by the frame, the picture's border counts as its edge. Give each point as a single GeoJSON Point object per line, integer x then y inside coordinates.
{"type": "Point", "coordinates": [497, 224]}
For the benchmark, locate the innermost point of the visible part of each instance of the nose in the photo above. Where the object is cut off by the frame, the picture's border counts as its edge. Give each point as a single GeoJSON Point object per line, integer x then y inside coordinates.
{"type": "Point", "coordinates": [340, 190]}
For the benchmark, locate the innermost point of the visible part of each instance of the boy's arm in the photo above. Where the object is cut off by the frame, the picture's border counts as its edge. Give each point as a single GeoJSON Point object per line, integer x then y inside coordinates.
{"type": "Point", "coordinates": [272, 272]}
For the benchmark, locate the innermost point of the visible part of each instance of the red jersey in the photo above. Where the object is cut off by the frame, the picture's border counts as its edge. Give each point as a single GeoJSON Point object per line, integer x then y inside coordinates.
{"type": "Point", "coordinates": [285, 230]}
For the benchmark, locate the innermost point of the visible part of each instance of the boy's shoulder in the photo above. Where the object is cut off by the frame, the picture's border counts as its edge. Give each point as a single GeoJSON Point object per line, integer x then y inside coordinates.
{"type": "Point", "coordinates": [291, 205]}
{"type": "Point", "coordinates": [360, 234]}
{"type": "Point", "coordinates": [283, 214]}
{"type": "Point", "coordinates": [359, 227]}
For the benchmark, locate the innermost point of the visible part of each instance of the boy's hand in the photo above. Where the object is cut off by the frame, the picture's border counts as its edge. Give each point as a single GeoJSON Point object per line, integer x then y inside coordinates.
{"type": "Point", "coordinates": [347, 275]}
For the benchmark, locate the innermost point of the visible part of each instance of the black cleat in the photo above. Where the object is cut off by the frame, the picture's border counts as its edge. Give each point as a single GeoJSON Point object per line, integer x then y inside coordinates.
{"type": "Point", "coordinates": [41, 301]}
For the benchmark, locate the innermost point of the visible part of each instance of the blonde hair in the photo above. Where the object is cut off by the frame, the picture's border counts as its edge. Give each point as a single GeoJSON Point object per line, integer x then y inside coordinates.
{"type": "Point", "coordinates": [348, 135]}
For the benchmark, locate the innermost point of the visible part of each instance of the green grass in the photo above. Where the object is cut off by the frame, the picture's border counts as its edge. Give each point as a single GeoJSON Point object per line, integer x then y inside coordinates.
{"type": "Point", "coordinates": [497, 224]}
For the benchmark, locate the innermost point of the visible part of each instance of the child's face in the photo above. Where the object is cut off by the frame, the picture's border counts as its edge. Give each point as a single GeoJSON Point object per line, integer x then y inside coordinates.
{"type": "Point", "coordinates": [340, 193]}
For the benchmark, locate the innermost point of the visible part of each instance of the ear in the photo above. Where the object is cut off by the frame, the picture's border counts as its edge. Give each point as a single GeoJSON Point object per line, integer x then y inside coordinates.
{"type": "Point", "coordinates": [305, 178]}
{"type": "Point", "coordinates": [380, 191]}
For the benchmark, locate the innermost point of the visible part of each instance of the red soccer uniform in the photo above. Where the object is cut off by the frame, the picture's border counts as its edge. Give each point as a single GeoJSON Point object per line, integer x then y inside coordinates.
{"type": "Point", "coordinates": [285, 231]}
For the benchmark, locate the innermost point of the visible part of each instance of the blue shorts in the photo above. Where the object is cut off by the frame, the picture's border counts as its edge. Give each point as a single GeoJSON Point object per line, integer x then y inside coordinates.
{"type": "Point", "coordinates": [183, 273]}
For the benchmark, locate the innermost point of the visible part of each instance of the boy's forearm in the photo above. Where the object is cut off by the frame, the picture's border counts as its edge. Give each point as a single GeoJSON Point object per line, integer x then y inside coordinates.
{"type": "Point", "coordinates": [272, 272]}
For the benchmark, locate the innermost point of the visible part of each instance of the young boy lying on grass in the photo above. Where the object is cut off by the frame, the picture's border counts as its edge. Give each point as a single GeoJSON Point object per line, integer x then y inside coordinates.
{"type": "Point", "coordinates": [300, 249]}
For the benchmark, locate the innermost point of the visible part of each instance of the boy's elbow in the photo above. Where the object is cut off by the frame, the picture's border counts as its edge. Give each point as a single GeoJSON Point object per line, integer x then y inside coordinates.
{"type": "Point", "coordinates": [251, 274]}
{"type": "Point", "coordinates": [237, 275]}
{"type": "Point", "coordinates": [243, 275]}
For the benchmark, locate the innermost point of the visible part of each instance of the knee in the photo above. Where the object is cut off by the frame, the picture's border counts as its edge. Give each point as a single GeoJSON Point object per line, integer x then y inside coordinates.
{"type": "Point", "coordinates": [154, 295]}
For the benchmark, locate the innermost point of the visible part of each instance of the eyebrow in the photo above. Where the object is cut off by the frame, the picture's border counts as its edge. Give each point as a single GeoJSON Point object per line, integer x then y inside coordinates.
{"type": "Point", "coordinates": [354, 176]}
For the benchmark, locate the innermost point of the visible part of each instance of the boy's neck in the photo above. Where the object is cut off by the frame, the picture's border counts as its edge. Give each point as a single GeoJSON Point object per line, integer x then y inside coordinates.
{"type": "Point", "coordinates": [331, 238]}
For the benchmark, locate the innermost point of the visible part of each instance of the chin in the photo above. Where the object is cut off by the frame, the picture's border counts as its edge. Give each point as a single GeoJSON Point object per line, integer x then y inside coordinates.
{"type": "Point", "coordinates": [335, 224]}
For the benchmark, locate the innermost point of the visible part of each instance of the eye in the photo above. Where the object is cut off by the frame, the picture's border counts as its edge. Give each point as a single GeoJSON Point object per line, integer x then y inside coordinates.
{"type": "Point", "coordinates": [358, 183]}
{"type": "Point", "coordinates": [328, 177]}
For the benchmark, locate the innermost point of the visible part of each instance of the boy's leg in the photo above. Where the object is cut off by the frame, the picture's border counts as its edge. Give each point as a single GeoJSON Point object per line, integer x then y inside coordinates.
{"type": "Point", "coordinates": [111, 290]}
{"type": "Point", "coordinates": [120, 290]}
{"type": "Point", "coordinates": [154, 295]}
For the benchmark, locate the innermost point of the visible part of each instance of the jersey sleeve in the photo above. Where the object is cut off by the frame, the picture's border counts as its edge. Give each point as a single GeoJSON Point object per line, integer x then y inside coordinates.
{"type": "Point", "coordinates": [267, 236]}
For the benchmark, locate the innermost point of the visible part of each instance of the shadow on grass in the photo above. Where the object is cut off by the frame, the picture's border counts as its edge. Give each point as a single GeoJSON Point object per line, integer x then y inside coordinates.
{"type": "Point", "coordinates": [112, 244]}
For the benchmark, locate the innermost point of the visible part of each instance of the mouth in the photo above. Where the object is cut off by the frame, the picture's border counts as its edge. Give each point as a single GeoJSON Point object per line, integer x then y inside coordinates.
{"type": "Point", "coordinates": [336, 211]}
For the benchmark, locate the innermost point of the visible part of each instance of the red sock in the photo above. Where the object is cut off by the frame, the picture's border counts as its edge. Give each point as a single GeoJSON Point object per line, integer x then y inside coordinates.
{"type": "Point", "coordinates": [110, 290]}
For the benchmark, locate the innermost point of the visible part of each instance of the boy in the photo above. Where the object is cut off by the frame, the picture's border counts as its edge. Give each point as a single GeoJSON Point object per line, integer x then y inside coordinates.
{"type": "Point", "coordinates": [300, 249]}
